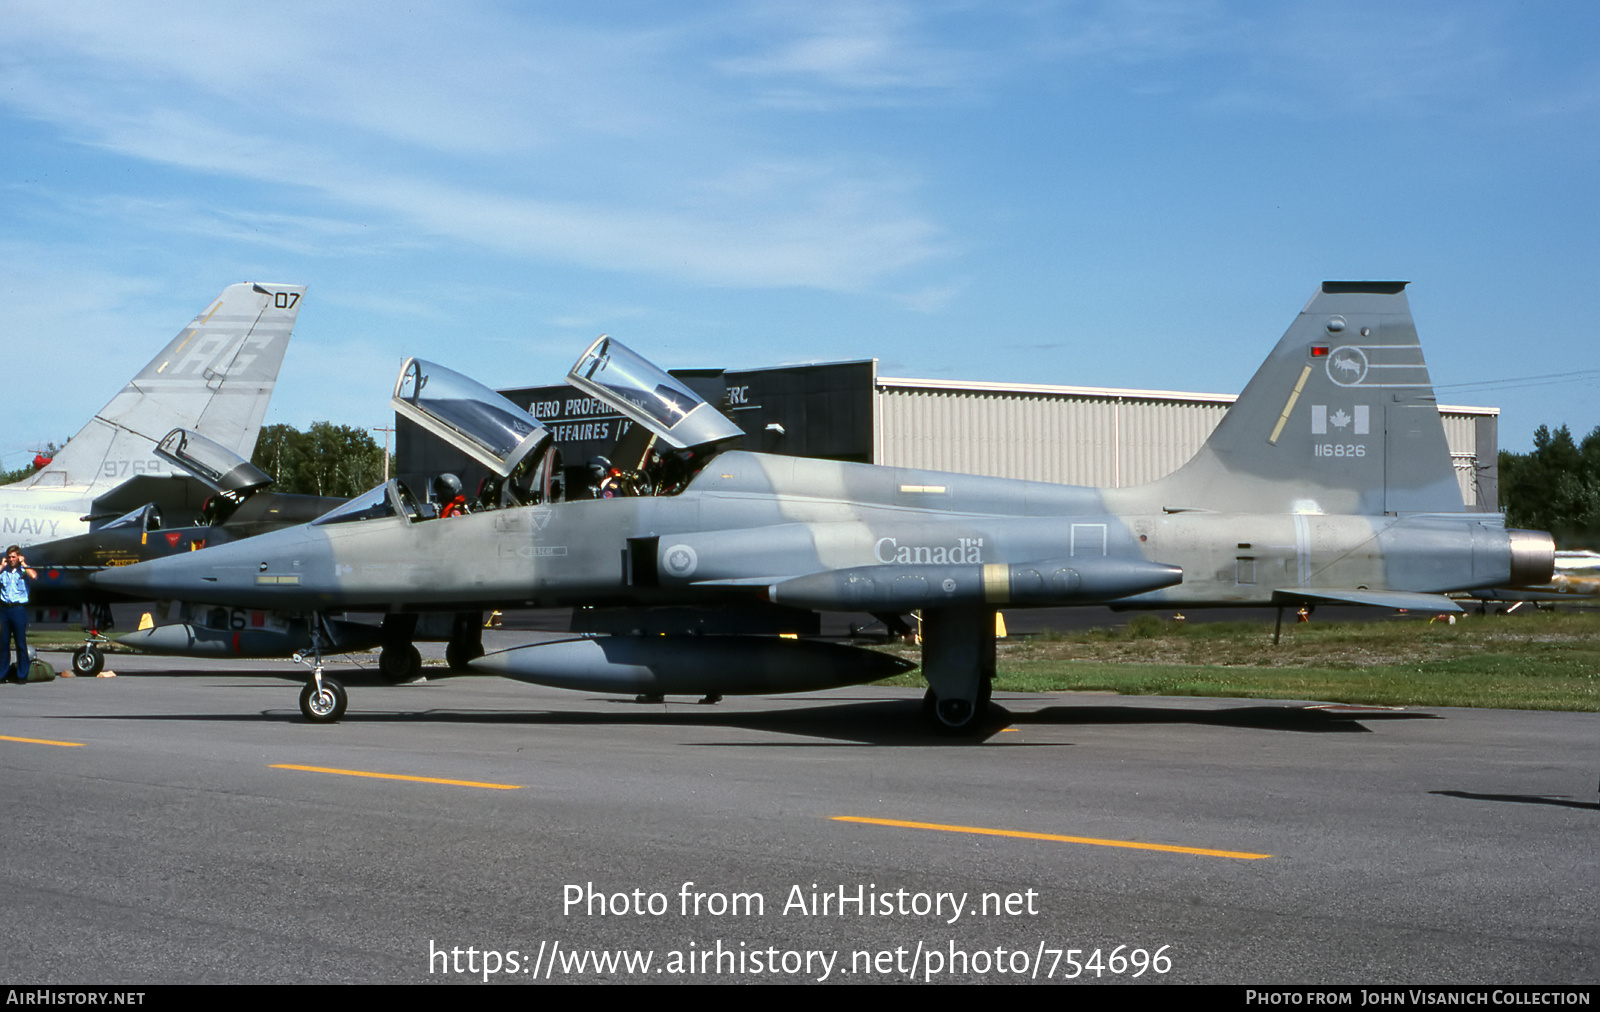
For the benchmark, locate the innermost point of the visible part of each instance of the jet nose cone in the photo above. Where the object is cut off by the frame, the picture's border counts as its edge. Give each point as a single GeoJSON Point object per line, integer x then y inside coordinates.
{"type": "Point", "coordinates": [131, 580]}
{"type": "Point", "coordinates": [182, 577]}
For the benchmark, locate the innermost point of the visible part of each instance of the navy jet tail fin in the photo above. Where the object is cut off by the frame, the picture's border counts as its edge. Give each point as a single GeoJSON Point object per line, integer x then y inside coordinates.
{"type": "Point", "coordinates": [215, 378]}
{"type": "Point", "coordinates": [1341, 418]}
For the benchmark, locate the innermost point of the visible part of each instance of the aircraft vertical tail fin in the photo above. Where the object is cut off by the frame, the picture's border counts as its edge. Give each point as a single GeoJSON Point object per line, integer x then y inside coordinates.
{"type": "Point", "coordinates": [1341, 418]}
{"type": "Point", "coordinates": [215, 377]}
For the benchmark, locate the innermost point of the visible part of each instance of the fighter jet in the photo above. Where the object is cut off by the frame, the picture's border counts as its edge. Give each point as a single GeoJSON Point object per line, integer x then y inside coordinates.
{"type": "Point", "coordinates": [215, 377]}
{"type": "Point", "coordinates": [1329, 480]}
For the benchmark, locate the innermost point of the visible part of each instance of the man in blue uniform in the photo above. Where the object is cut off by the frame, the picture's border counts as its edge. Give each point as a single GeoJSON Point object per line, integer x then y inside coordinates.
{"type": "Point", "coordinates": [14, 578]}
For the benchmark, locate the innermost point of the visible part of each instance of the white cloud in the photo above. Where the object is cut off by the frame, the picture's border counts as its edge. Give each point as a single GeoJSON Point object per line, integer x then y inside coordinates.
{"type": "Point", "coordinates": [932, 299]}
{"type": "Point", "coordinates": [850, 50]}
{"type": "Point", "coordinates": [569, 144]}
{"type": "Point", "coordinates": [72, 338]}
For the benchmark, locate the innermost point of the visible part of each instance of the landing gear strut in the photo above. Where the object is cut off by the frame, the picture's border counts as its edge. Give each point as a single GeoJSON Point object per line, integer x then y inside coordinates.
{"type": "Point", "coordinates": [323, 700]}
{"type": "Point", "coordinates": [958, 662]}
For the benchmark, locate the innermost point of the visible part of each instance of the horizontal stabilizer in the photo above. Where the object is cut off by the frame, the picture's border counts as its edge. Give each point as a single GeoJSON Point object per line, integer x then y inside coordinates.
{"type": "Point", "coordinates": [1407, 600]}
{"type": "Point", "coordinates": [1587, 597]}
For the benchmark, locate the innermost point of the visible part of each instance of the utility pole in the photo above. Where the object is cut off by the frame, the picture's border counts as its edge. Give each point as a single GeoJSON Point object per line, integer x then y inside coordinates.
{"type": "Point", "coordinates": [385, 429]}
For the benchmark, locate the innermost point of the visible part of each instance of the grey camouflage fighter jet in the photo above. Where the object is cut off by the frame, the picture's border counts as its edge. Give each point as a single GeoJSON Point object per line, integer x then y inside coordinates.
{"type": "Point", "coordinates": [1329, 480]}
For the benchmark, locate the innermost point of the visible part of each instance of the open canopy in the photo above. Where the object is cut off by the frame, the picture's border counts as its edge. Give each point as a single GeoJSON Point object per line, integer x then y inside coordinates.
{"type": "Point", "coordinates": [212, 463]}
{"type": "Point", "coordinates": [650, 396]}
{"type": "Point", "coordinates": [467, 415]}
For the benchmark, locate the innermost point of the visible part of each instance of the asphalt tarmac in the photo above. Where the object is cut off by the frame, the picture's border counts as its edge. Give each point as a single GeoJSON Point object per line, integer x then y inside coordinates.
{"type": "Point", "coordinates": [181, 823]}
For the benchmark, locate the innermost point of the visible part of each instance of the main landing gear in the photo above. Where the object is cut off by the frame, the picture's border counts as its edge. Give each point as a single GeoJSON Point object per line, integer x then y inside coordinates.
{"type": "Point", "coordinates": [958, 662]}
{"type": "Point", "coordinates": [402, 663]}
{"type": "Point", "coordinates": [466, 640]}
{"type": "Point", "coordinates": [399, 660]}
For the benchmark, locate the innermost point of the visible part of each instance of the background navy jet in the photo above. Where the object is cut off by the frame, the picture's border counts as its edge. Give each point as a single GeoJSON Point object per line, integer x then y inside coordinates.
{"type": "Point", "coordinates": [1328, 480]}
{"type": "Point", "coordinates": [215, 378]}
{"type": "Point", "coordinates": [109, 497]}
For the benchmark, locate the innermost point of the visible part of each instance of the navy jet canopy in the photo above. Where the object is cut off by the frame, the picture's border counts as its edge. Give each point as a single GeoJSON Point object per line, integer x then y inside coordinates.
{"type": "Point", "coordinates": [216, 466]}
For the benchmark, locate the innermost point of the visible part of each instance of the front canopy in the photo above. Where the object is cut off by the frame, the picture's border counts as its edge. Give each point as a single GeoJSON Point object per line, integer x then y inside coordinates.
{"type": "Point", "coordinates": [467, 415]}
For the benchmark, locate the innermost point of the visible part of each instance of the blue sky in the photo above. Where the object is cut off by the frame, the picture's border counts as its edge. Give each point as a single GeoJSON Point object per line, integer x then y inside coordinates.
{"type": "Point", "coordinates": [1134, 194]}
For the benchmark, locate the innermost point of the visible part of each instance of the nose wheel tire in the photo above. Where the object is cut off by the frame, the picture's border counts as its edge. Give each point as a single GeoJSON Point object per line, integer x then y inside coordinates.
{"type": "Point", "coordinates": [326, 705]}
{"type": "Point", "coordinates": [88, 662]}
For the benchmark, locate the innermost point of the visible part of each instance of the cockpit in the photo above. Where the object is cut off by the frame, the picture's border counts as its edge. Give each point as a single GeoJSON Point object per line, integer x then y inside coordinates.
{"type": "Point", "coordinates": [144, 519]}
{"type": "Point", "coordinates": [390, 499]}
{"type": "Point", "coordinates": [675, 432]}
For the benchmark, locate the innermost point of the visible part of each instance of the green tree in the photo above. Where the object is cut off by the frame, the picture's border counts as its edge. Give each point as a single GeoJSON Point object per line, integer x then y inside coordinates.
{"type": "Point", "coordinates": [1555, 488]}
{"type": "Point", "coordinates": [326, 459]}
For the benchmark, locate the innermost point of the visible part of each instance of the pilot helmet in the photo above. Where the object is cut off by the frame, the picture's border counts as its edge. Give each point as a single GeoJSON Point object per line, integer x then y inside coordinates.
{"type": "Point", "coordinates": [447, 485]}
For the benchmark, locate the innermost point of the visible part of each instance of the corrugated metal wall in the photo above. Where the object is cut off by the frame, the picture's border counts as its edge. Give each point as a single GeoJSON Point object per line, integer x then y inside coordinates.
{"type": "Point", "coordinates": [1074, 435]}
{"type": "Point", "coordinates": [1461, 432]}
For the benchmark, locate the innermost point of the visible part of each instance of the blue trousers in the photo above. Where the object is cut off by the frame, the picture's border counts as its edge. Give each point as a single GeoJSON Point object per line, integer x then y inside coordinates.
{"type": "Point", "coordinates": [14, 625]}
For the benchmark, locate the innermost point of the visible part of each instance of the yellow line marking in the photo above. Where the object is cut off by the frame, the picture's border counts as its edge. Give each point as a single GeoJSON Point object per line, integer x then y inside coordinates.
{"type": "Point", "coordinates": [43, 741]}
{"type": "Point", "coordinates": [1287, 408]}
{"type": "Point", "coordinates": [981, 831]}
{"type": "Point", "coordinates": [398, 776]}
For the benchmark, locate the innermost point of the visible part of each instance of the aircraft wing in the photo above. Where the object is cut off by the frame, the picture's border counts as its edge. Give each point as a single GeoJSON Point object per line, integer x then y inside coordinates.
{"type": "Point", "coordinates": [1407, 600]}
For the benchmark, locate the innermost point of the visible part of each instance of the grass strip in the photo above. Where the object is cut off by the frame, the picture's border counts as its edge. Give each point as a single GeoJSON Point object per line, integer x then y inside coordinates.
{"type": "Point", "coordinates": [1536, 661]}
